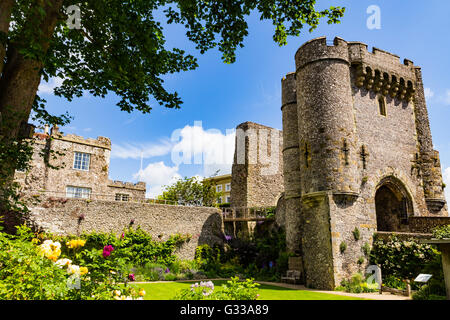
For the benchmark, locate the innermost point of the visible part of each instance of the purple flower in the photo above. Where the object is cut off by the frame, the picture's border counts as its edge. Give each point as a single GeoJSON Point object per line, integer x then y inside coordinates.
{"type": "Point", "coordinates": [131, 277]}
{"type": "Point", "coordinates": [227, 238]}
{"type": "Point", "coordinates": [270, 264]}
{"type": "Point", "coordinates": [167, 270]}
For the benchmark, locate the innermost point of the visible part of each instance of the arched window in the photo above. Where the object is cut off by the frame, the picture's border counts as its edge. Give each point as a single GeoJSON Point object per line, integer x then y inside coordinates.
{"type": "Point", "coordinates": [382, 106]}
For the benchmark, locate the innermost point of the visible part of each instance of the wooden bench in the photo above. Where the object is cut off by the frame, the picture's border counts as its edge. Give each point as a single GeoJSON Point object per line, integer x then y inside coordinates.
{"type": "Point", "coordinates": [292, 276]}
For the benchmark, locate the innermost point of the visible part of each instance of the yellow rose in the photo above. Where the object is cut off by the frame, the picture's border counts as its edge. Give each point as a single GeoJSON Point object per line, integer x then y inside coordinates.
{"type": "Point", "coordinates": [142, 292]}
{"type": "Point", "coordinates": [83, 270]}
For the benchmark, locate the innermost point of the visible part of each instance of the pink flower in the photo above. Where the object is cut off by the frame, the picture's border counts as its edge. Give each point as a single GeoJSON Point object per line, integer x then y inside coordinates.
{"type": "Point", "coordinates": [107, 250]}
{"type": "Point", "coordinates": [131, 277]}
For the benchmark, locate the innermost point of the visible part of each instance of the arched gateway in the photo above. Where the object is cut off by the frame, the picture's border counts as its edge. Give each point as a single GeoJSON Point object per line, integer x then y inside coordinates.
{"type": "Point", "coordinates": [393, 205]}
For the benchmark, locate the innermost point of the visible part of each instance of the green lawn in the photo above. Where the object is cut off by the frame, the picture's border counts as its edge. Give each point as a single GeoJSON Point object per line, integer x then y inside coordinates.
{"type": "Point", "coordinates": [167, 290]}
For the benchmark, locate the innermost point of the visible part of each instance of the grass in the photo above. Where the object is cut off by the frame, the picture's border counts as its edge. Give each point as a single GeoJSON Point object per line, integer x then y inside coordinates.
{"type": "Point", "coordinates": [167, 290]}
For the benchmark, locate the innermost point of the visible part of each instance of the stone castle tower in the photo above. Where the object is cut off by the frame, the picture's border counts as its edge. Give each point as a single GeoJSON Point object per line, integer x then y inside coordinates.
{"type": "Point", "coordinates": [357, 155]}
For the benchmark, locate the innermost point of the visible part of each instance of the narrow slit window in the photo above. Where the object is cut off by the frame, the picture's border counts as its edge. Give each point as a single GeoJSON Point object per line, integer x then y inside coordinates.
{"type": "Point", "coordinates": [382, 106]}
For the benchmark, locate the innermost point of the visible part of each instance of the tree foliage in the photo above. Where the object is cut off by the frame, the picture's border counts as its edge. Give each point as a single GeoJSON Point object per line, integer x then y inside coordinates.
{"type": "Point", "coordinates": [119, 48]}
{"type": "Point", "coordinates": [191, 191]}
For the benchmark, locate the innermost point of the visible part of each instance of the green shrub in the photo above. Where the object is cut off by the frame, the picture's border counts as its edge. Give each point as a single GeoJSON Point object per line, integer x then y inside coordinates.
{"type": "Point", "coordinates": [401, 259]}
{"type": "Point", "coordinates": [233, 290]}
{"type": "Point", "coordinates": [394, 282]}
{"type": "Point", "coordinates": [360, 260]}
{"type": "Point", "coordinates": [343, 247]}
{"type": "Point", "coordinates": [366, 249]}
{"type": "Point", "coordinates": [149, 272]}
{"type": "Point", "coordinates": [43, 268]}
{"type": "Point", "coordinates": [357, 284]}
{"type": "Point", "coordinates": [356, 234]}
{"type": "Point", "coordinates": [424, 293]}
{"type": "Point", "coordinates": [170, 277]}
{"type": "Point", "coordinates": [442, 232]}
{"type": "Point", "coordinates": [26, 275]}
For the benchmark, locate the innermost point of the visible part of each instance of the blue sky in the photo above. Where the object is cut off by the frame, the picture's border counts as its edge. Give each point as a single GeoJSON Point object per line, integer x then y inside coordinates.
{"type": "Point", "coordinates": [220, 96]}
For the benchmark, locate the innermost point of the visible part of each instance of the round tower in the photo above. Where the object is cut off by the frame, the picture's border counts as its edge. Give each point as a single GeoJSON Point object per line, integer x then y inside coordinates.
{"type": "Point", "coordinates": [291, 165]}
{"type": "Point", "coordinates": [326, 124]}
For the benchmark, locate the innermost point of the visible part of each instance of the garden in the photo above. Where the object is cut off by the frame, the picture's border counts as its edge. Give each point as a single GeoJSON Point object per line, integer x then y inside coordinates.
{"type": "Point", "coordinates": [401, 261]}
{"type": "Point", "coordinates": [133, 266]}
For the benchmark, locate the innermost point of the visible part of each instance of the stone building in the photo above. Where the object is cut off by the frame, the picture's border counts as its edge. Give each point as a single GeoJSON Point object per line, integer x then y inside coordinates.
{"type": "Point", "coordinates": [257, 171]}
{"type": "Point", "coordinates": [73, 167]}
{"type": "Point", "coordinates": [357, 156]}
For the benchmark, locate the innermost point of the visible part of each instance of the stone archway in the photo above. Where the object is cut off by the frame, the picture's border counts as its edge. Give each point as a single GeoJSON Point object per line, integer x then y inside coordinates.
{"type": "Point", "coordinates": [393, 205]}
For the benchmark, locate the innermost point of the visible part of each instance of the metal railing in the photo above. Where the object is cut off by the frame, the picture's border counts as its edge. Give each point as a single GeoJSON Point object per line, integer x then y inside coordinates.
{"type": "Point", "coordinates": [248, 213]}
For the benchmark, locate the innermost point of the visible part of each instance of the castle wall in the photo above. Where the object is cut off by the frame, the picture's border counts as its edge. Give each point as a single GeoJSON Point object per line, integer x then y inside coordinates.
{"type": "Point", "coordinates": [53, 172]}
{"type": "Point", "coordinates": [257, 171]}
{"type": "Point", "coordinates": [60, 216]}
{"type": "Point", "coordinates": [135, 191]}
{"type": "Point", "coordinates": [362, 125]}
{"type": "Point", "coordinates": [95, 178]}
{"type": "Point", "coordinates": [291, 166]}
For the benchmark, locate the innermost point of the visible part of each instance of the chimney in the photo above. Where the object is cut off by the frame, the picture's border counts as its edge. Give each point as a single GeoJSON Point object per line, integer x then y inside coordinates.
{"type": "Point", "coordinates": [55, 130]}
{"type": "Point", "coordinates": [46, 129]}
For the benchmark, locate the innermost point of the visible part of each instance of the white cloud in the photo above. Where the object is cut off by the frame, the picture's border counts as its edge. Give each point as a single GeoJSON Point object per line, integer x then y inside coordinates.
{"type": "Point", "coordinates": [135, 150]}
{"type": "Point", "coordinates": [446, 97]}
{"type": "Point", "coordinates": [156, 176]}
{"type": "Point", "coordinates": [211, 148]}
{"type": "Point", "coordinates": [428, 93]}
{"type": "Point", "coordinates": [189, 145]}
{"type": "Point", "coordinates": [447, 182]}
{"type": "Point", "coordinates": [48, 87]}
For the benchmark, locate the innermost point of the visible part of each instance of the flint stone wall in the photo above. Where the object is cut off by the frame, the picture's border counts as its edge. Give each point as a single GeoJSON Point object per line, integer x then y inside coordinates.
{"type": "Point", "coordinates": [60, 216]}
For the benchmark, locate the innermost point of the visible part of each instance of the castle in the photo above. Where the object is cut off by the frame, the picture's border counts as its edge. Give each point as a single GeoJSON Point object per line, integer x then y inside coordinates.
{"type": "Point", "coordinates": [357, 158]}
{"type": "Point", "coordinates": [74, 167]}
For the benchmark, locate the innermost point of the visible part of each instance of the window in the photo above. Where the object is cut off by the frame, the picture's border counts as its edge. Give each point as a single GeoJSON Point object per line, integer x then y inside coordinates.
{"type": "Point", "coordinates": [228, 199]}
{"type": "Point", "coordinates": [219, 200]}
{"type": "Point", "coordinates": [81, 161]}
{"type": "Point", "coordinates": [228, 187]}
{"type": "Point", "coordinates": [382, 106]}
{"type": "Point", "coordinates": [122, 197]}
{"type": "Point", "coordinates": [219, 188]}
{"type": "Point", "coordinates": [78, 192]}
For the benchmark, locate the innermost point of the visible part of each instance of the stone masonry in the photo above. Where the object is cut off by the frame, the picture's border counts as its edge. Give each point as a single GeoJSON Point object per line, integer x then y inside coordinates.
{"type": "Point", "coordinates": [53, 169]}
{"type": "Point", "coordinates": [257, 171]}
{"type": "Point", "coordinates": [61, 216]}
{"type": "Point", "coordinates": [357, 156]}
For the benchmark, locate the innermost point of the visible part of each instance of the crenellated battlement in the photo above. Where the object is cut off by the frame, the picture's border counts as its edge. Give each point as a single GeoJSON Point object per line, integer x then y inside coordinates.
{"type": "Point", "coordinates": [320, 49]}
{"type": "Point", "coordinates": [127, 185]}
{"type": "Point", "coordinates": [100, 142]}
{"type": "Point", "coordinates": [379, 71]}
